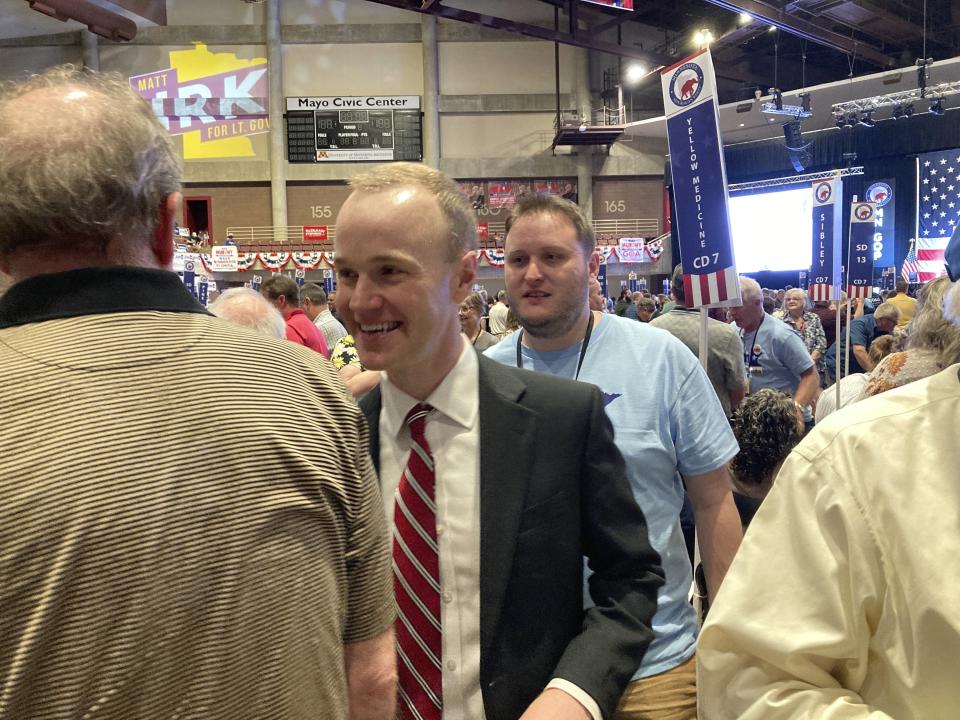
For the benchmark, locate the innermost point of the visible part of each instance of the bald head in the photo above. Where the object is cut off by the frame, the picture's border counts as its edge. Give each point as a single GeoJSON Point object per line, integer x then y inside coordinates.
{"type": "Point", "coordinates": [250, 309]}
{"type": "Point", "coordinates": [87, 168]}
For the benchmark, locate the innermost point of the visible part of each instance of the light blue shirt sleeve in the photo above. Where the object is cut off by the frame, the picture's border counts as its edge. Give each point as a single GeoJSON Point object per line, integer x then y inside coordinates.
{"type": "Point", "coordinates": [702, 434]}
{"type": "Point", "coordinates": [793, 353]}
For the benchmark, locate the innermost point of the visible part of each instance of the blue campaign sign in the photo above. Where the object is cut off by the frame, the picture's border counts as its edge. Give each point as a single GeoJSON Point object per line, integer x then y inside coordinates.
{"type": "Point", "coordinates": [202, 291]}
{"type": "Point", "coordinates": [699, 182]}
{"type": "Point", "coordinates": [666, 286]}
{"type": "Point", "coordinates": [190, 275]}
{"type": "Point", "coordinates": [827, 218]}
{"type": "Point", "coordinates": [882, 193]}
{"type": "Point", "coordinates": [602, 277]}
{"type": "Point", "coordinates": [860, 257]}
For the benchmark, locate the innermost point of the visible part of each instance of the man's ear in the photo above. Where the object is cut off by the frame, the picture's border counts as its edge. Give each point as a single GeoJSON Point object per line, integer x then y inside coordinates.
{"type": "Point", "coordinates": [465, 272]}
{"type": "Point", "coordinates": [162, 242]}
{"type": "Point", "coordinates": [593, 265]}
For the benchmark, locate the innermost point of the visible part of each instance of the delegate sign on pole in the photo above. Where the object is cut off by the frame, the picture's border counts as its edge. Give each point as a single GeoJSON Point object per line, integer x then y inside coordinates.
{"type": "Point", "coordinates": [827, 219]}
{"type": "Point", "coordinates": [699, 182]}
{"type": "Point", "coordinates": [863, 215]}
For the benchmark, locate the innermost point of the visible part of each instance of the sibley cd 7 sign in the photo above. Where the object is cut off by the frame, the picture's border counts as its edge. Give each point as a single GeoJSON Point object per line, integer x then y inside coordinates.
{"type": "Point", "coordinates": [699, 182]}
{"type": "Point", "coordinates": [827, 218]}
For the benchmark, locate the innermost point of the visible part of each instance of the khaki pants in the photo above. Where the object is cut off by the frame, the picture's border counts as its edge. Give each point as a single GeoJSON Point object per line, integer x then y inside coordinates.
{"type": "Point", "coordinates": [671, 695]}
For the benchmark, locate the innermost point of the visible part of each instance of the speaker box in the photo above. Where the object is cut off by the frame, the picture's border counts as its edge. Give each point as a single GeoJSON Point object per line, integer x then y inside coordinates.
{"type": "Point", "coordinates": [798, 151]}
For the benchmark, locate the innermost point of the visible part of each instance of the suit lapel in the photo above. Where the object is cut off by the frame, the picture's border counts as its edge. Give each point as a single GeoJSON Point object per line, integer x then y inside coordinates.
{"type": "Point", "coordinates": [370, 404]}
{"type": "Point", "coordinates": [506, 456]}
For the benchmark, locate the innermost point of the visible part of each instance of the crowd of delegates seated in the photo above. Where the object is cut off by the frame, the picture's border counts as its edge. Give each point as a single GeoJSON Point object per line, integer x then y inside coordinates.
{"type": "Point", "coordinates": [140, 579]}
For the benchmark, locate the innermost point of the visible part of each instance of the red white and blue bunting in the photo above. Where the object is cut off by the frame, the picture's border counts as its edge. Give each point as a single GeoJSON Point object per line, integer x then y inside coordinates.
{"type": "Point", "coordinates": [654, 249]}
{"type": "Point", "coordinates": [207, 262]}
{"type": "Point", "coordinates": [307, 260]}
{"type": "Point", "coordinates": [246, 260]}
{"type": "Point", "coordinates": [274, 261]}
{"type": "Point", "coordinates": [492, 256]}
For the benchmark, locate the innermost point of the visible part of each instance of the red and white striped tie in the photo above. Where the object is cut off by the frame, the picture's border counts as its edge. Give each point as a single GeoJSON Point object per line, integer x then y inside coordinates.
{"type": "Point", "coordinates": [416, 580]}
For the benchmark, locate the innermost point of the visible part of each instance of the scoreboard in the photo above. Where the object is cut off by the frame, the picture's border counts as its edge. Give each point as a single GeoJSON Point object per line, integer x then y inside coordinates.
{"type": "Point", "coordinates": [353, 128]}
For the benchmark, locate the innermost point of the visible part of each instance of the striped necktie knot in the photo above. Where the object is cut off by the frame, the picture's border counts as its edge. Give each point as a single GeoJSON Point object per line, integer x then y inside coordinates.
{"type": "Point", "coordinates": [416, 420]}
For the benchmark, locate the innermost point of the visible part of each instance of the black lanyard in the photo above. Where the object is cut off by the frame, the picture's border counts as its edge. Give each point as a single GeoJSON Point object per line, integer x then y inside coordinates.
{"type": "Point", "coordinates": [749, 356]}
{"type": "Point", "coordinates": [583, 346]}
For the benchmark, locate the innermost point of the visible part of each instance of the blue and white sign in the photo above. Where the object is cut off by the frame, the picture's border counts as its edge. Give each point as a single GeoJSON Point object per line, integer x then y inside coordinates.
{"type": "Point", "coordinates": [328, 286]}
{"type": "Point", "coordinates": [202, 289]}
{"type": "Point", "coordinates": [666, 286]}
{"type": "Point", "coordinates": [632, 282]}
{"type": "Point", "coordinates": [255, 282]}
{"type": "Point", "coordinates": [301, 277]}
{"type": "Point", "coordinates": [882, 193]}
{"type": "Point", "coordinates": [827, 237]}
{"type": "Point", "coordinates": [699, 182]}
{"type": "Point", "coordinates": [190, 276]}
{"type": "Point", "coordinates": [860, 258]}
{"type": "Point", "coordinates": [602, 277]}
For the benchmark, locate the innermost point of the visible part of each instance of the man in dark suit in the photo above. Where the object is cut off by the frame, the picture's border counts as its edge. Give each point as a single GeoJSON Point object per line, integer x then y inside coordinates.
{"type": "Point", "coordinates": [488, 547]}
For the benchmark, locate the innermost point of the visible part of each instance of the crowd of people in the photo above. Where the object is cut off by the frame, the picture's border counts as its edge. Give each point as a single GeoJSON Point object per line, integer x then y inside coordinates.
{"type": "Point", "coordinates": [421, 502]}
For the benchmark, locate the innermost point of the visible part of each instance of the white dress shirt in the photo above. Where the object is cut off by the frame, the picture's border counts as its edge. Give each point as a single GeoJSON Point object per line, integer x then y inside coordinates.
{"type": "Point", "coordinates": [453, 433]}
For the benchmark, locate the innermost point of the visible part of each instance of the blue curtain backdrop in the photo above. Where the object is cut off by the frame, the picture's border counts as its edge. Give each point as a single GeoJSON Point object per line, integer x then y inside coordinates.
{"type": "Point", "coordinates": [888, 150]}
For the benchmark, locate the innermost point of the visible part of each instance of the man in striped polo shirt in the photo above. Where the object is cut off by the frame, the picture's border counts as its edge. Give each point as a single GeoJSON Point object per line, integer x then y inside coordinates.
{"type": "Point", "coordinates": [143, 573]}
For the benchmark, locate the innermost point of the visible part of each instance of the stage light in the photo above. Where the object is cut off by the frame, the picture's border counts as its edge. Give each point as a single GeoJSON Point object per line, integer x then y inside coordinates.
{"type": "Point", "coordinates": [936, 106]}
{"type": "Point", "coordinates": [867, 119]}
{"type": "Point", "coordinates": [746, 18]}
{"type": "Point", "coordinates": [841, 120]}
{"type": "Point", "coordinates": [634, 73]}
{"type": "Point", "coordinates": [852, 119]}
{"type": "Point", "coordinates": [702, 38]}
{"type": "Point", "coordinates": [898, 111]}
{"type": "Point", "coordinates": [908, 110]}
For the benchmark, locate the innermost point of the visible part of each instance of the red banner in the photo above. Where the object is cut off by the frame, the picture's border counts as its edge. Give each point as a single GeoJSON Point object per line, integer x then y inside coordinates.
{"type": "Point", "coordinates": [314, 233]}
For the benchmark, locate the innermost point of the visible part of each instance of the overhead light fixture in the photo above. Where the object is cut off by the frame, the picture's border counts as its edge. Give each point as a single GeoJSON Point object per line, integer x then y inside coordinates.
{"type": "Point", "coordinates": [702, 37]}
{"type": "Point", "coordinates": [852, 119]}
{"type": "Point", "coordinates": [634, 73]}
{"type": "Point", "coordinates": [867, 119]}
{"type": "Point", "coordinates": [742, 124]}
{"type": "Point", "coordinates": [772, 28]}
{"type": "Point", "coordinates": [746, 18]}
{"type": "Point", "coordinates": [902, 104]}
{"type": "Point", "coordinates": [583, 127]}
{"type": "Point", "coordinates": [841, 120]}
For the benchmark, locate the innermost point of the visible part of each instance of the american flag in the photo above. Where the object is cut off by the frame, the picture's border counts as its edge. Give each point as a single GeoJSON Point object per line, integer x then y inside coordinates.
{"type": "Point", "coordinates": [910, 267]}
{"type": "Point", "coordinates": [938, 211]}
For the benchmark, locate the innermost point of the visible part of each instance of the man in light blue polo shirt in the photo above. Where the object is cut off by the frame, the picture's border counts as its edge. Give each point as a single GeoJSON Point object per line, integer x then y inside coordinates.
{"type": "Point", "coordinates": [667, 423]}
{"type": "Point", "coordinates": [774, 355]}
